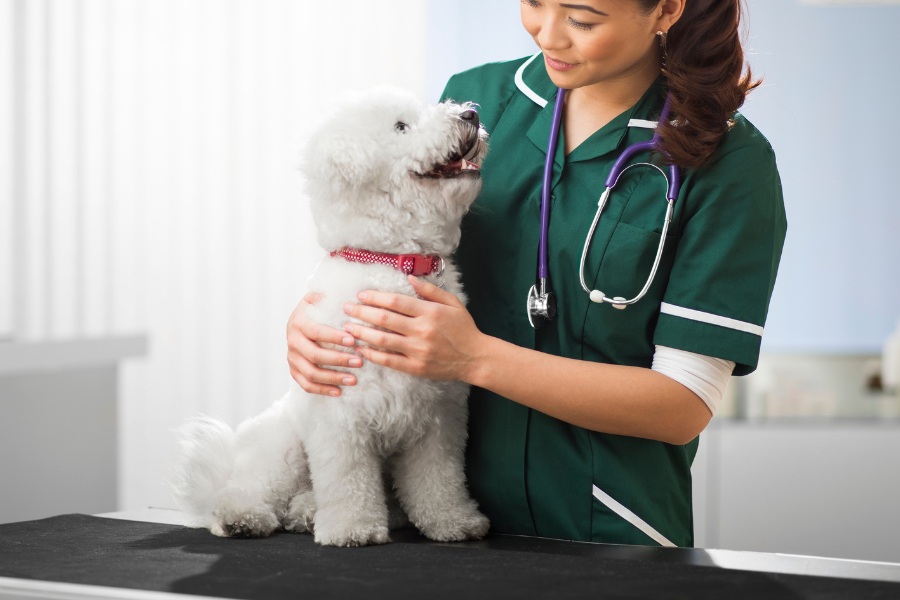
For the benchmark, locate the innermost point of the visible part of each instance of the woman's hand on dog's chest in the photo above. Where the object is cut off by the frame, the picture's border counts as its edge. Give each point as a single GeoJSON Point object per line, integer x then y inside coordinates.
{"type": "Point", "coordinates": [432, 336]}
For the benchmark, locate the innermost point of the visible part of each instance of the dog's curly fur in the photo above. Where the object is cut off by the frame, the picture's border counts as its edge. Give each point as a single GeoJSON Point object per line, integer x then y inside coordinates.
{"type": "Point", "coordinates": [378, 178]}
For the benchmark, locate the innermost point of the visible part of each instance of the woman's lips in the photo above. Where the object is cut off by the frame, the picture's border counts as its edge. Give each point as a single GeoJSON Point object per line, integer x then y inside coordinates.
{"type": "Point", "coordinates": [558, 65]}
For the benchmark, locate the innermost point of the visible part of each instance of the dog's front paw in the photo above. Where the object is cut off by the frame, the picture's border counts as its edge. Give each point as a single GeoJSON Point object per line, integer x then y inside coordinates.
{"type": "Point", "coordinates": [456, 527]}
{"type": "Point", "coordinates": [348, 537]}
{"type": "Point", "coordinates": [245, 525]}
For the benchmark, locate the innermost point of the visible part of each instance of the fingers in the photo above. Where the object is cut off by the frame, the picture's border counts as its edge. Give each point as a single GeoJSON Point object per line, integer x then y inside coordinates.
{"type": "Point", "coordinates": [398, 303]}
{"type": "Point", "coordinates": [390, 360]}
{"type": "Point", "coordinates": [315, 381]}
{"type": "Point", "coordinates": [429, 291]}
{"type": "Point", "coordinates": [396, 312]}
{"type": "Point", "coordinates": [409, 305]}
{"type": "Point", "coordinates": [327, 335]}
{"type": "Point", "coordinates": [312, 387]}
{"type": "Point", "coordinates": [377, 338]}
{"type": "Point", "coordinates": [301, 329]}
{"type": "Point", "coordinates": [299, 324]}
{"type": "Point", "coordinates": [303, 349]}
{"type": "Point", "coordinates": [376, 317]}
{"type": "Point", "coordinates": [308, 360]}
{"type": "Point", "coordinates": [396, 323]}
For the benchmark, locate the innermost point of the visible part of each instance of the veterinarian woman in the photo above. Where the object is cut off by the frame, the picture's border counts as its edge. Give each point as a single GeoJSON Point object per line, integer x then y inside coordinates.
{"type": "Point", "coordinates": [585, 427]}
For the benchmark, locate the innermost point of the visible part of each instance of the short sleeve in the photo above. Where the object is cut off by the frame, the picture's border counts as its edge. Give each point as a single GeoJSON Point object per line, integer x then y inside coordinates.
{"type": "Point", "coordinates": [726, 261]}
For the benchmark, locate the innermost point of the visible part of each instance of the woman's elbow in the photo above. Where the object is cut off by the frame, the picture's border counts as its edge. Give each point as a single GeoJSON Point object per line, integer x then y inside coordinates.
{"type": "Point", "coordinates": [690, 424]}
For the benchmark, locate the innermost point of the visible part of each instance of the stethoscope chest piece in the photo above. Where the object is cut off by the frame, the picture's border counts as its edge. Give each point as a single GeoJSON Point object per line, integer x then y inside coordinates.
{"type": "Point", "coordinates": [541, 306]}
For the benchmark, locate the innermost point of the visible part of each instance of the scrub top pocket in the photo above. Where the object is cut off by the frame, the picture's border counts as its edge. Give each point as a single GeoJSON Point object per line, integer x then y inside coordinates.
{"type": "Point", "coordinates": [627, 262]}
{"type": "Point", "coordinates": [624, 268]}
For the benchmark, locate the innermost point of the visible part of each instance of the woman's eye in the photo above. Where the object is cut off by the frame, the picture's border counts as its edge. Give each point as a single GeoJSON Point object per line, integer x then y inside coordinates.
{"type": "Point", "coordinates": [580, 25]}
{"type": "Point", "coordinates": [401, 127]}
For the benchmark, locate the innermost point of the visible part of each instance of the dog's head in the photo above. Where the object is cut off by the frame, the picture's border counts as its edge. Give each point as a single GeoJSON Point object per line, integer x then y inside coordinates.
{"type": "Point", "coordinates": [390, 173]}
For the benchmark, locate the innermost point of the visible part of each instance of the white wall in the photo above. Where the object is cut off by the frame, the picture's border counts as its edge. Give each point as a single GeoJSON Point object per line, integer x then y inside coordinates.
{"type": "Point", "coordinates": [155, 186]}
{"type": "Point", "coordinates": [467, 33]}
{"type": "Point", "coordinates": [828, 106]}
{"type": "Point", "coordinates": [6, 170]}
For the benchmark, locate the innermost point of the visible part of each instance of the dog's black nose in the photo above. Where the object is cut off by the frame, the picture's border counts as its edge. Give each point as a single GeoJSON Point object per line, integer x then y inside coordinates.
{"type": "Point", "coordinates": [469, 116]}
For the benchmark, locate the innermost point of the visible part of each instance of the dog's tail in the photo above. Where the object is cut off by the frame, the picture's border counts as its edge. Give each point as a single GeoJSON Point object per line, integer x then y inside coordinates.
{"type": "Point", "coordinates": [203, 465]}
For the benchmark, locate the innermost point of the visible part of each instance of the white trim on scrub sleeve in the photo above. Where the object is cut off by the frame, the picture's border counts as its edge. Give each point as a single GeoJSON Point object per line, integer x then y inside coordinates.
{"type": "Point", "coordinates": [705, 317]}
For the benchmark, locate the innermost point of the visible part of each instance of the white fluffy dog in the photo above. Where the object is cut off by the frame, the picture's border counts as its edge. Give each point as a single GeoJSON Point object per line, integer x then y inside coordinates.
{"type": "Point", "coordinates": [387, 175]}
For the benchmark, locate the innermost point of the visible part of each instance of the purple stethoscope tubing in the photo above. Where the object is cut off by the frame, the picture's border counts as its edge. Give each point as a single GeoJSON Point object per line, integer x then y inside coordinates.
{"type": "Point", "coordinates": [543, 261]}
{"type": "Point", "coordinates": [539, 299]}
{"type": "Point", "coordinates": [648, 146]}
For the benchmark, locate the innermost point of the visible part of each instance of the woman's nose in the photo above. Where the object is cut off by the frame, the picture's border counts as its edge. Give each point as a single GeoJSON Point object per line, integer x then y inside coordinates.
{"type": "Point", "coordinates": [550, 36]}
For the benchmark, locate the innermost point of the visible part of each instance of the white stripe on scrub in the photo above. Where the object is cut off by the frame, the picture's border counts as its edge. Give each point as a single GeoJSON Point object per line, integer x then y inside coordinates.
{"type": "Point", "coordinates": [632, 518]}
{"type": "Point", "coordinates": [704, 317]}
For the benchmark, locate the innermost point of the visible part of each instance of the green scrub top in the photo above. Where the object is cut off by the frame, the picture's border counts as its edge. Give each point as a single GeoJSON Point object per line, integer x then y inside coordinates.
{"type": "Point", "coordinates": [538, 476]}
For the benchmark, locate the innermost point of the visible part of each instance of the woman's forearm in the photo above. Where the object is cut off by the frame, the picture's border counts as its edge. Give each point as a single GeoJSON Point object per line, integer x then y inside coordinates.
{"type": "Point", "coordinates": [615, 399]}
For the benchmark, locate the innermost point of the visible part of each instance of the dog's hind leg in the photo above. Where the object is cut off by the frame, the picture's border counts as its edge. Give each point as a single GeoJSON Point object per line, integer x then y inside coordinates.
{"type": "Point", "coordinates": [268, 465]}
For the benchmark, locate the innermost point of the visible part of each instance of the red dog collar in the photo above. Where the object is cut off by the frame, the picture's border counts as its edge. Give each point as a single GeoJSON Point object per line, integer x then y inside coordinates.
{"type": "Point", "coordinates": [410, 264]}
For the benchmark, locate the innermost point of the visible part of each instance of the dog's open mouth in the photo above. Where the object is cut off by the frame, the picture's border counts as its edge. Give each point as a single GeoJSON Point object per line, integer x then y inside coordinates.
{"type": "Point", "coordinates": [454, 168]}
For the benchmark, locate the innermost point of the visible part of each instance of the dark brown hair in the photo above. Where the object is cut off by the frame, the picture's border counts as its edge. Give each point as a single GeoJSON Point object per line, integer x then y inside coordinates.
{"type": "Point", "coordinates": [707, 78]}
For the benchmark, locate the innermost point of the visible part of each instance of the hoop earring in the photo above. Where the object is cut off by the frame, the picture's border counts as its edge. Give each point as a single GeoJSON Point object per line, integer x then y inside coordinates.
{"type": "Point", "coordinates": [662, 50]}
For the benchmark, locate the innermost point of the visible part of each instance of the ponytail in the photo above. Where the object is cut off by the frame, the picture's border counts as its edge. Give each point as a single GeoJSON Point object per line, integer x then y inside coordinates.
{"type": "Point", "coordinates": [706, 76]}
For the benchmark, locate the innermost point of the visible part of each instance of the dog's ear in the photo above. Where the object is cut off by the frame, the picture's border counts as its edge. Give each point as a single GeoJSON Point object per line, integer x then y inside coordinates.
{"type": "Point", "coordinates": [347, 158]}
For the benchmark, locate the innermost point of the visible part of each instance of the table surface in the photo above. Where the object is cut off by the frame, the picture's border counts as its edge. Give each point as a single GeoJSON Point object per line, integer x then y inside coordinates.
{"type": "Point", "coordinates": [148, 554]}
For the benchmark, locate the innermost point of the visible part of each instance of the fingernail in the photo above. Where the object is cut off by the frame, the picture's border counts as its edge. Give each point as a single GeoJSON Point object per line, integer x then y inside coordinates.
{"type": "Point", "coordinates": [348, 381]}
{"type": "Point", "coordinates": [348, 341]}
{"type": "Point", "coordinates": [334, 393]}
{"type": "Point", "coordinates": [348, 308]}
{"type": "Point", "coordinates": [355, 362]}
{"type": "Point", "coordinates": [362, 296]}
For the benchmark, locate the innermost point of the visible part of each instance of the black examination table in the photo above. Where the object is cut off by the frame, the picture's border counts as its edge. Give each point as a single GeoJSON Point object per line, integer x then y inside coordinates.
{"type": "Point", "coordinates": [80, 556]}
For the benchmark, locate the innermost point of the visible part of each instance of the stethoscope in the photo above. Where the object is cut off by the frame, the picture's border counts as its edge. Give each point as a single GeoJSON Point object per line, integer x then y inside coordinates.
{"type": "Point", "coordinates": [541, 302]}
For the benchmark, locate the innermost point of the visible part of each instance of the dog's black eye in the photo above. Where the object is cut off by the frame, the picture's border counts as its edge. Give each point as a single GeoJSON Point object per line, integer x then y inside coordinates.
{"type": "Point", "coordinates": [401, 127]}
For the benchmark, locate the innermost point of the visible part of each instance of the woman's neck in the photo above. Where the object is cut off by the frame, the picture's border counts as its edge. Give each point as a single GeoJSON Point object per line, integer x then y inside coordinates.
{"type": "Point", "coordinates": [588, 109]}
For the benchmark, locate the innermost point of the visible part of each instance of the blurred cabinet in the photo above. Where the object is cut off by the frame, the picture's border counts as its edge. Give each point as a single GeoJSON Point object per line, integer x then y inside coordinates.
{"type": "Point", "coordinates": [59, 424]}
{"type": "Point", "coordinates": [805, 486]}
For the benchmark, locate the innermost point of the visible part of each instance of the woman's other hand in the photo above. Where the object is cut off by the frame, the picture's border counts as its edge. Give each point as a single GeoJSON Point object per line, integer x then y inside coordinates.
{"type": "Point", "coordinates": [309, 361]}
